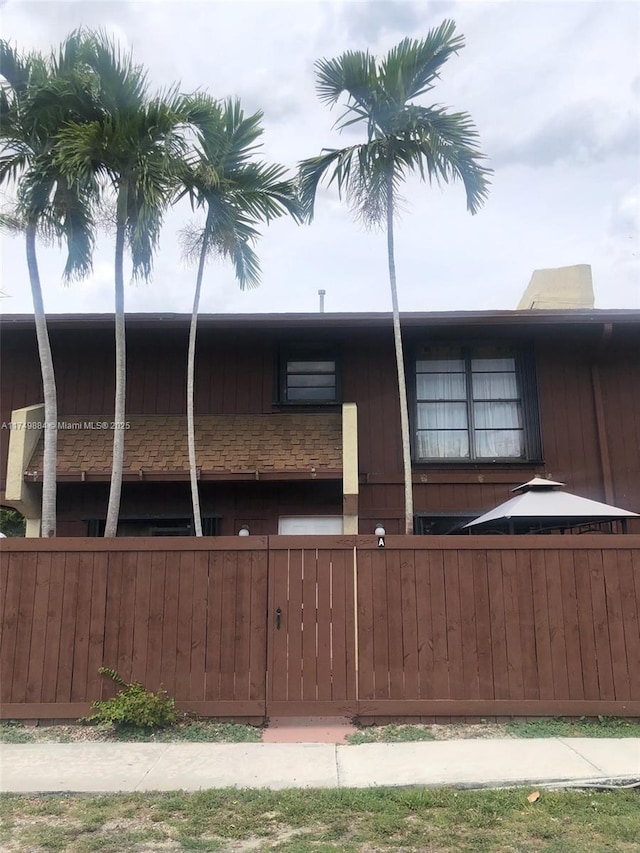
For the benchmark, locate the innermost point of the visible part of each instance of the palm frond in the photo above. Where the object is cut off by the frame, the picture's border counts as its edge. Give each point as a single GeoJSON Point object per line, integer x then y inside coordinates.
{"type": "Point", "coordinates": [411, 67]}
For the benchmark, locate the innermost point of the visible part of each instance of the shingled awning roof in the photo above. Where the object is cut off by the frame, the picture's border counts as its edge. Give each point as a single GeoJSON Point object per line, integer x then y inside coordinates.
{"type": "Point", "coordinates": [228, 447]}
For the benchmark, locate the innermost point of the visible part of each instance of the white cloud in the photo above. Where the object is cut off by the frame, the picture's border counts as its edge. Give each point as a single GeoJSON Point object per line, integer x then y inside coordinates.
{"type": "Point", "coordinates": [552, 87]}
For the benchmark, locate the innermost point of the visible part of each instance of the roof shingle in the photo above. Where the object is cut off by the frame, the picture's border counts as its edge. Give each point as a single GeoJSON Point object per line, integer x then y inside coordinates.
{"type": "Point", "coordinates": [283, 442]}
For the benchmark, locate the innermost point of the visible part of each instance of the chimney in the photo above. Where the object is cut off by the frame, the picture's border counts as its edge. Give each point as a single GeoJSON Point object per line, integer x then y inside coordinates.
{"type": "Point", "coordinates": [322, 294]}
{"type": "Point", "coordinates": [563, 287]}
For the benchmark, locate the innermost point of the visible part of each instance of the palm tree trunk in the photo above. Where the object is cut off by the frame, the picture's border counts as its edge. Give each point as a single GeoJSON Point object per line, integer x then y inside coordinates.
{"type": "Point", "coordinates": [191, 369]}
{"type": "Point", "coordinates": [113, 509]}
{"type": "Point", "coordinates": [402, 384]}
{"type": "Point", "coordinates": [48, 520]}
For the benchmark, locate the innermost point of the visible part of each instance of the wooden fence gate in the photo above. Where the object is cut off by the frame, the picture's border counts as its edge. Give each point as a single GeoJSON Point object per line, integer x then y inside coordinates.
{"type": "Point", "coordinates": [311, 659]}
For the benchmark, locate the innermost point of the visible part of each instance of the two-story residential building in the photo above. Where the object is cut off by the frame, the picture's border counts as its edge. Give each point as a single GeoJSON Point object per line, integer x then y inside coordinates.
{"type": "Point", "coordinates": [297, 417]}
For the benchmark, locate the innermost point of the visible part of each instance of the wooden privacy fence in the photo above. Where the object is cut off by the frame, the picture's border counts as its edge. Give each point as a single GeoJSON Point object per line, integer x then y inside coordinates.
{"type": "Point", "coordinates": [432, 627]}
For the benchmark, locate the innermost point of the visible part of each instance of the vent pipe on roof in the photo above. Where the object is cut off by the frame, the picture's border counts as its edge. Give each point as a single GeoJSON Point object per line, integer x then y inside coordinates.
{"type": "Point", "coordinates": [322, 294]}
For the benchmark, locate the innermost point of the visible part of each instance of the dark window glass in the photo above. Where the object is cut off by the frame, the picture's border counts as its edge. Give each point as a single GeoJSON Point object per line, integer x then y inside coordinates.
{"type": "Point", "coordinates": [311, 380]}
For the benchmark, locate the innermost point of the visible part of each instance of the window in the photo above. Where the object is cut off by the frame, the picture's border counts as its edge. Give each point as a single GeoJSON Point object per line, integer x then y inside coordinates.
{"type": "Point", "coordinates": [310, 525]}
{"type": "Point", "coordinates": [475, 403]}
{"type": "Point", "coordinates": [443, 523]}
{"type": "Point", "coordinates": [133, 526]}
{"type": "Point", "coordinates": [308, 377]}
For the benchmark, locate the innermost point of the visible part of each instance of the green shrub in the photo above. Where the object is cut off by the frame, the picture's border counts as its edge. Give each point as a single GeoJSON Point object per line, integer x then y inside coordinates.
{"type": "Point", "coordinates": [133, 707]}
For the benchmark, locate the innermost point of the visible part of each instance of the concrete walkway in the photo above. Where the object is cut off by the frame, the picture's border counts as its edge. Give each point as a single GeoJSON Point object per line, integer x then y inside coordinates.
{"type": "Point", "coordinates": [111, 767]}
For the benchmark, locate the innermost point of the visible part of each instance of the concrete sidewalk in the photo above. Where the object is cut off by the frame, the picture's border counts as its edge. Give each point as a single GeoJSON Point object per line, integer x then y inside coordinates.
{"type": "Point", "coordinates": [112, 767]}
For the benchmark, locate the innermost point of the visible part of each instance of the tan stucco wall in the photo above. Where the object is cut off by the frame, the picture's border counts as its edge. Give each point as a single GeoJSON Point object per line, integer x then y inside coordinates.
{"type": "Point", "coordinates": [24, 436]}
{"type": "Point", "coordinates": [562, 287]}
{"type": "Point", "coordinates": [350, 486]}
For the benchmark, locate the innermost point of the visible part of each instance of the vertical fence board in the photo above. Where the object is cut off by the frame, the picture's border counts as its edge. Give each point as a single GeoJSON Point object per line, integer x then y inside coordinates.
{"type": "Point", "coordinates": [512, 625]}
{"type": "Point", "coordinates": [323, 668]}
{"type": "Point", "coordinates": [33, 692]}
{"type": "Point", "coordinates": [365, 625]}
{"type": "Point", "coordinates": [293, 626]}
{"type": "Point", "coordinates": [227, 633]}
{"type": "Point", "coordinates": [68, 629]}
{"type": "Point", "coordinates": [157, 573]}
{"type": "Point", "coordinates": [127, 614]}
{"type": "Point", "coordinates": [197, 667]}
{"type": "Point", "coordinates": [350, 625]}
{"type": "Point", "coordinates": [468, 629]}
{"type": "Point", "coordinates": [572, 627]}
{"type": "Point", "coordinates": [498, 626]}
{"type": "Point", "coordinates": [339, 638]}
{"type": "Point", "coordinates": [185, 623]}
{"type": "Point", "coordinates": [112, 617]}
{"type": "Point", "coordinates": [544, 662]}
{"type": "Point", "coordinates": [556, 626]}
{"type": "Point", "coordinates": [277, 659]}
{"type": "Point", "coordinates": [531, 669]}
{"type": "Point", "coordinates": [98, 626]}
{"type": "Point", "coordinates": [585, 625]}
{"type": "Point", "coordinates": [259, 625]}
{"type": "Point", "coordinates": [454, 625]}
{"type": "Point", "coordinates": [483, 625]}
{"type": "Point", "coordinates": [615, 621]}
{"type": "Point", "coordinates": [83, 628]}
{"type": "Point", "coordinates": [601, 626]}
{"type": "Point", "coordinates": [214, 626]}
{"type": "Point", "coordinates": [19, 676]}
{"type": "Point", "coordinates": [409, 566]}
{"type": "Point", "coordinates": [54, 623]}
{"type": "Point", "coordinates": [380, 626]}
{"type": "Point", "coordinates": [309, 625]}
{"type": "Point", "coordinates": [433, 643]}
{"type": "Point", "coordinates": [170, 623]}
{"type": "Point", "coordinates": [6, 568]}
{"type": "Point", "coordinates": [395, 626]}
{"type": "Point", "coordinates": [141, 617]}
{"type": "Point", "coordinates": [242, 626]}
{"type": "Point", "coordinates": [630, 603]}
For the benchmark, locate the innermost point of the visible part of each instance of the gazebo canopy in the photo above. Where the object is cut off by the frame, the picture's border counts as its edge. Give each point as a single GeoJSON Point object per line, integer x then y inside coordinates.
{"type": "Point", "coordinates": [540, 502]}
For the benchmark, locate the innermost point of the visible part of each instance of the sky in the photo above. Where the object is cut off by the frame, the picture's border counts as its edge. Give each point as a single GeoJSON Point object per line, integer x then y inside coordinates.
{"type": "Point", "coordinates": [554, 91]}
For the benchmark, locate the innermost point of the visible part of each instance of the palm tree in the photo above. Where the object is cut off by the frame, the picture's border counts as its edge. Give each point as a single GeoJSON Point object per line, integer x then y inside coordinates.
{"type": "Point", "coordinates": [36, 100]}
{"type": "Point", "coordinates": [236, 193]}
{"type": "Point", "coordinates": [135, 148]}
{"type": "Point", "coordinates": [403, 138]}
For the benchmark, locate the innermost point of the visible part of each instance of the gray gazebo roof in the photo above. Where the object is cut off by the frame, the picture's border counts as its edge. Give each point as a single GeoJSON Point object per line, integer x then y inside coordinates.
{"type": "Point", "coordinates": [540, 500]}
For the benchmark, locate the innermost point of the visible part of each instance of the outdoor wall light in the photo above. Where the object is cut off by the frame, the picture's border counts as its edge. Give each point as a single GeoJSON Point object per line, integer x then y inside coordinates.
{"type": "Point", "coordinates": [244, 530]}
{"type": "Point", "coordinates": [379, 531]}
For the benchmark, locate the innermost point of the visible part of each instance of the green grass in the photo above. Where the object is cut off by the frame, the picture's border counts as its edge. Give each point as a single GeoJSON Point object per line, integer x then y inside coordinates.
{"type": "Point", "coordinates": [580, 727]}
{"type": "Point", "coordinates": [14, 732]}
{"type": "Point", "coordinates": [323, 821]}
{"type": "Point", "coordinates": [191, 731]}
{"type": "Point", "coordinates": [390, 734]}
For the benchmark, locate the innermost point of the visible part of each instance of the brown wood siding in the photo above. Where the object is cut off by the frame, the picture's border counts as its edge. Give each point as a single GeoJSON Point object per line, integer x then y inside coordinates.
{"type": "Point", "coordinates": [259, 505]}
{"type": "Point", "coordinates": [620, 381]}
{"type": "Point", "coordinates": [236, 373]}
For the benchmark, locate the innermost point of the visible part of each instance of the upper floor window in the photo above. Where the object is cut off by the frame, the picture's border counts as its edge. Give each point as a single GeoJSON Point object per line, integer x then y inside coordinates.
{"type": "Point", "coordinates": [308, 376]}
{"type": "Point", "coordinates": [475, 402]}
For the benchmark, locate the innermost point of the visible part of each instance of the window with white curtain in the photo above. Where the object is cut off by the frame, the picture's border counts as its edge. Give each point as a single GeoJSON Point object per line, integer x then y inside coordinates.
{"type": "Point", "coordinates": [471, 404]}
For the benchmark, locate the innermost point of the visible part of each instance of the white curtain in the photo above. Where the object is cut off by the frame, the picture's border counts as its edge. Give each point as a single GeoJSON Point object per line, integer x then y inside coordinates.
{"type": "Point", "coordinates": [443, 418]}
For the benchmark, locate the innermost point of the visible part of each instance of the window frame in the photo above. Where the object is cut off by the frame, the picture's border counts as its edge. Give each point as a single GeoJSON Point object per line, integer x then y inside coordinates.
{"type": "Point", "coordinates": [306, 352]}
{"type": "Point", "coordinates": [526, 378]}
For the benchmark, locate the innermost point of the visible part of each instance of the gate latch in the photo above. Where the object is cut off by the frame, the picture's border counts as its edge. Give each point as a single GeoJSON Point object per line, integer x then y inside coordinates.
{"type": "Point", "coordinates": [278, 618]}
